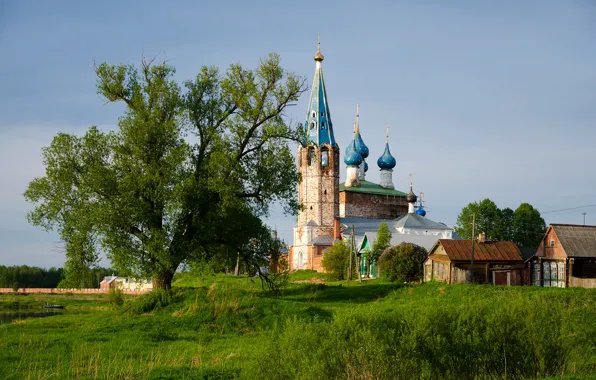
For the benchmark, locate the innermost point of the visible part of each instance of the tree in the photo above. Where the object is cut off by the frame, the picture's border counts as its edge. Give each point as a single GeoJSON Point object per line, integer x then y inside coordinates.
{"type": "Point", "coordinates": [186, 176]}
{"type": "Point", "coordinates": [381, 243]}
{"type": "Point", "coordinates": [488, 220]}
{"type": "Point", "coordinates": [336, 260]}
{"type": "Point", "coordinates": [506, 230]}
{"type": "Point", "coordinates": [525, 226]}
{"type": "Point", "coordinates": [379, 246]}
{"type": "Point", "coordinates": [402, 263]}
{"type": "Point", "coordinates": [528, 226]}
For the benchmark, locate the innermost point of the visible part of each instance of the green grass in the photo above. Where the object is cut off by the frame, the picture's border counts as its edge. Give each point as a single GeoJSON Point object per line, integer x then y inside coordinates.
{"type": "Point", "coordinates": [221, 327]}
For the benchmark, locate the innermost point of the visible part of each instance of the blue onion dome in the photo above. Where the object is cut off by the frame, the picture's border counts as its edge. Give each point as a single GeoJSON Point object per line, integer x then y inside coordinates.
{"type": "Point", "coordinates": [352, 156]}
{"type": "Point", "coordinates": [361, 146]}
{"type": "Point", "coordinates": [365, 166]}
{"type": "Point", "coordinates": [386, 161]}
{"type": "Point", "coordinates": [420, 211]}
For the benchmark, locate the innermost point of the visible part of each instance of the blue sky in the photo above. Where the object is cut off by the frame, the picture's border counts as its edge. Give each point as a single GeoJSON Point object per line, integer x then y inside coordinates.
{"type": "Point", "coordinates": [484, 99]}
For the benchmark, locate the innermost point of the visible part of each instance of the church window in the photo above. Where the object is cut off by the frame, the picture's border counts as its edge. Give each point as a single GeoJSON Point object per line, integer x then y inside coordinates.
{"type": "Point", "coordinates": [311, 156]}
{"type": "Point", "coordinates": [312, 125]}
{"type": "Point", "coordinates": [325, 192]}
{"type": "Point", "coordinates": [322, 113]}
{"type": "Point", "coordinates": [323, 124]}
{"type": "Point", "coordinates": [324, 158]}
{"type": "Point", "coordinates": [314, 114]}
{"type": "Point", "coordinates": [311, 207]}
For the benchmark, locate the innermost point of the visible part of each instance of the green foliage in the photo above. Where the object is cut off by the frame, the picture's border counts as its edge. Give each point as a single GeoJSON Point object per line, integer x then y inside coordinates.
{"type": "Point", "coordinates": [402, 263]}
{"type": "Point", "coordinates": [227, 328]}
{"type": "Point", "coordinates": [488, 220]}
{"type": "Point", "coordinates": [525, 226]}
{"type": "Point", "coordinates": [29, 277]}
{"type": "Point", "coordinates": [116, 297]}
{"type": "Point", "coordinates": [382, 243]}
{"type": "Point", "coordinates": [337, 260]}
{"type": "Point", "coordinates": [528, 226]}
{"type": "Point", "coordinates": [186, 176]}
{"type": "Point", "coordinates": [481, 336]}
{"type": "Point", "coordinates": [154, 300]}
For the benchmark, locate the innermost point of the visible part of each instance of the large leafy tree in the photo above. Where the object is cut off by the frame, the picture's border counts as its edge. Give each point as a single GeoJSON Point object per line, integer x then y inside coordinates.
{"type": "Point", "coordinates": [187, 175]}
{"type": "Point", "coordinates": [528, 226]}
{"type": "Point", "coordinates": [524, 226]}
{"type": "Point", "coordinates": [487, 219]}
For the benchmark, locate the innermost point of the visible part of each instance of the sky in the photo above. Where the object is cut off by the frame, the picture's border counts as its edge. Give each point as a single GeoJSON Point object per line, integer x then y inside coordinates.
{"type": "Point", "coordinates": [484, 99]}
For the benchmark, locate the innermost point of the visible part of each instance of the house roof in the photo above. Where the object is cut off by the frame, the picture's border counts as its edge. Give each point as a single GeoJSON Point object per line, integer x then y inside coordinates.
{"type": "Point", "coordinates": [362, 225]}
{"type": "Point", "coordinates": [577, 240]}
{"type": "Point", "coordinates": [426, 241]}
{"type": "Point", "coordinates": [414, 220]}
{"type": "Point", "coordinates": [322, 240]}
{"type": "Point", "coordinates": [370, 188]}
{"type": "Point", "coordinates": [488, 251]}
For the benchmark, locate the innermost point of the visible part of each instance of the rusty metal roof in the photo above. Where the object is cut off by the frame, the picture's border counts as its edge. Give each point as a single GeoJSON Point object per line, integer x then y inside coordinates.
{"type": "Point", "coordinates": [461, 250]}
{"type": "Point", "coordinates": [577, 241]}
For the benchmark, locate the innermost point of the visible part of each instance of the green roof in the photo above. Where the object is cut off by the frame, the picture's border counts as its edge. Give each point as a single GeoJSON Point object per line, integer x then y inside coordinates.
{"type": "Point", "coordinates": [371, 188]}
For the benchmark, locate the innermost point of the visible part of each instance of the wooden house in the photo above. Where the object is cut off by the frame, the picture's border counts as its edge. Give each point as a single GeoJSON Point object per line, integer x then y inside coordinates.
{"type": "Point", "coordinates": [495, 262]}
{"type": "Point", "coordinates": [566, 257]}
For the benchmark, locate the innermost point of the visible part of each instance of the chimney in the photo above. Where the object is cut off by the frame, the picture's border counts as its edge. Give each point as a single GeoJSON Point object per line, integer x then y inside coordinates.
{"type": "Point", "coordinates": [336, 229]}
{"type": "Point", "coordinates": [481, 238]}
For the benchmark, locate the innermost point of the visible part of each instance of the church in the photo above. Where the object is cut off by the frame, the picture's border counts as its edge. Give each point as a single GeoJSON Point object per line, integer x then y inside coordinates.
{"type": "Point", "coordinates": [332, 211]}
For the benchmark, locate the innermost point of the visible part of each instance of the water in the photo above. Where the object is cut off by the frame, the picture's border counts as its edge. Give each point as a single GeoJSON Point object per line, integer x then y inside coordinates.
{"type": "Point", "coordinates": [9, 316]}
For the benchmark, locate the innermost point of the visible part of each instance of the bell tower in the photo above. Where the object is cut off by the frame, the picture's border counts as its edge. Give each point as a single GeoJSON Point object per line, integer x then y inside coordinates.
{"type": "Point", "coordinates": [318, 190]}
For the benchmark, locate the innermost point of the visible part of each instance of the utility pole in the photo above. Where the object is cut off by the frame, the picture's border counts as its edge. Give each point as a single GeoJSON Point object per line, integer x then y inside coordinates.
{"type": "Point", "coordinates": [473, 235]}
{"type": "Point", "coordinates": [351, 254]}
{"type": "Point", "coordinates": [584, 214]}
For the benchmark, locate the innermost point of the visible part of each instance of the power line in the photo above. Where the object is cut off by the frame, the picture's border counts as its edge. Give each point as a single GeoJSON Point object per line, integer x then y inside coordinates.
{"type": "Point", "coordinates": [567, 209]}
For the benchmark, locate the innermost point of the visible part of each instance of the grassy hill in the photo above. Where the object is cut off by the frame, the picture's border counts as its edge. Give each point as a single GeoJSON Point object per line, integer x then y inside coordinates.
{"type": "Point", "coordinates": [220, 327]}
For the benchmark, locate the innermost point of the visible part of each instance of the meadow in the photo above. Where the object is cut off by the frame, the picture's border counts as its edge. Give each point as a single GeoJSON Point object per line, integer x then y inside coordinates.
{"type": "Point", "coordinates": [225, 327]}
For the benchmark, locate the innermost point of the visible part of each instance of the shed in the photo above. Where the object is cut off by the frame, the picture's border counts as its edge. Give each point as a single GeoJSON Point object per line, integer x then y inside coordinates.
{"type": "Point", "coordinates": [495, 262]}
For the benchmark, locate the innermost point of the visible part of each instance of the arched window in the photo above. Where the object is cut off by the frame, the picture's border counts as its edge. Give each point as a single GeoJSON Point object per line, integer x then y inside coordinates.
{"type": "Point", "coordinates": [314, 114]}
{"type": "Point", "coordinates": [323, 124]}
{"type": "Point", "coordinates": [324, 158]}
{"type": "Point", "coordinates": [312, 125]}
{"type": "Point", "coordinates": [311, 156]}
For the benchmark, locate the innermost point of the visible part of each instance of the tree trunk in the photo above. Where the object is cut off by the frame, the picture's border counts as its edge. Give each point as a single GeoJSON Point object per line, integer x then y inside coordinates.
{"type": "Point", "coordinates": [163, 280]}
{"type": "Point", "coordinates": [237, 270]}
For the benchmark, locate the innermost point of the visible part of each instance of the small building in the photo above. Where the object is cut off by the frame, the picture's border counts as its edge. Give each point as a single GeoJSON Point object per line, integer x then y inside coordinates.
{"type": "Point", "coordinates": [566, 257]}
{"type": "Point", "coordinates": [495, 262]}
{"type": "Point", "coordinates": [125, 283]}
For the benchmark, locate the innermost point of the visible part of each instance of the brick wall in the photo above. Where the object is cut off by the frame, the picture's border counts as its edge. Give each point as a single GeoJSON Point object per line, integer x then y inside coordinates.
{"type": "Point", "coordinates": [75, 291]}
{"type": "Point", "coordinates": [372, 206]}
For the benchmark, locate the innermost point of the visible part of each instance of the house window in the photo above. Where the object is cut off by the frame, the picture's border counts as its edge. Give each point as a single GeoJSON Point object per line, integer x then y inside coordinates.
{"type": "Point", "coordinates": [561, 275]}
{"type": "Point", "coordinates": [546, 273]}
{"type": "Point", "coordinates": [536, 274]}
{"type": "Point", "coordinates": [552, 243]}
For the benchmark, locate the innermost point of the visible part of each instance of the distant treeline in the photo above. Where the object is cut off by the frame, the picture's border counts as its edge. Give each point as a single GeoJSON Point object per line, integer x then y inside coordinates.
{"type": "Point", "coordinates": [25, 276]}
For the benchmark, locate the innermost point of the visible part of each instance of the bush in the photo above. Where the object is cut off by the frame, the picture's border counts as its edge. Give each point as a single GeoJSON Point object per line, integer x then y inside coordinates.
{"type": "Point", "coordinates": [153, 300]}
{"type": "Point", "coordinates": [336, 261]}
{"type": "Point", "coordinates": [402, 263]}
{"type": "Point", "coordinates": [116, 297]}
